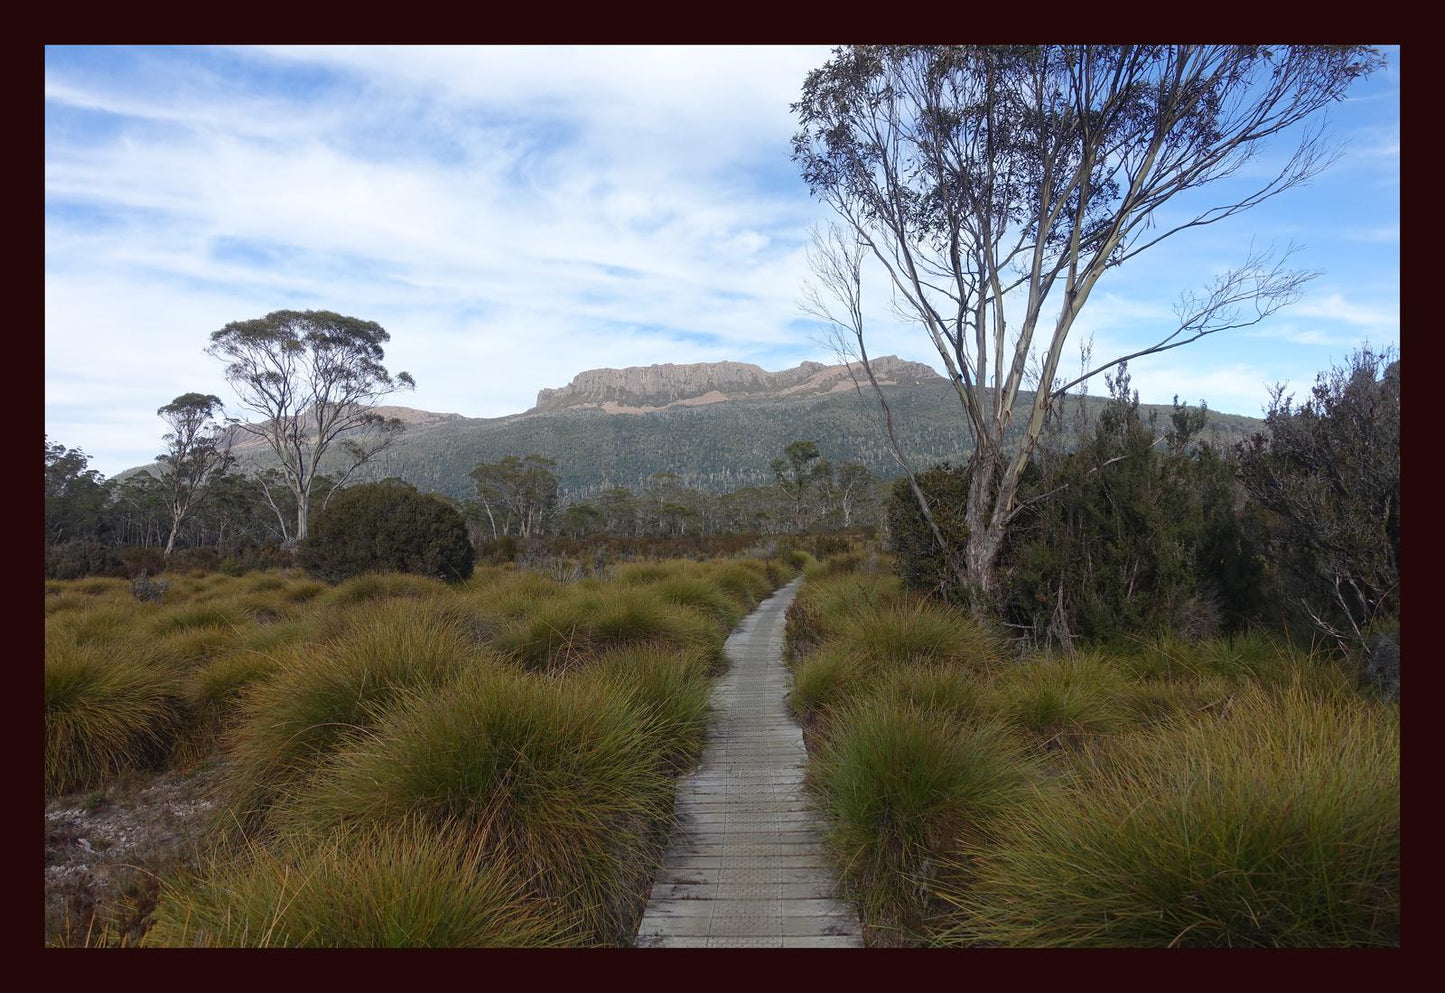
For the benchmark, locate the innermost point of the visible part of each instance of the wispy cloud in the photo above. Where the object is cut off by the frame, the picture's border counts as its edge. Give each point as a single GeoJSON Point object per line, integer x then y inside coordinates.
{"type": "Point", "coordinates": [511, 215]}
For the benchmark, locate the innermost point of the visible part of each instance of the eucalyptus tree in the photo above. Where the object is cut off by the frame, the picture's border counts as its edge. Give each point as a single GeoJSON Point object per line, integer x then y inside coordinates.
{"type": "Point", "coordinates": [995, 185]}
{"type": "Point", "coordinates": [198, 452]}
{"type": "Point", "coordinates": [800, 473]}
{"type": "Point", "coordinates": [315, 379]}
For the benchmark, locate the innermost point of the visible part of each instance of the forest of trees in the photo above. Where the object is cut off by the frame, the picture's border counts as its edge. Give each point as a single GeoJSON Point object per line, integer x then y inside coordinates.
{"type": "Point", "coordinates": [92, 522]}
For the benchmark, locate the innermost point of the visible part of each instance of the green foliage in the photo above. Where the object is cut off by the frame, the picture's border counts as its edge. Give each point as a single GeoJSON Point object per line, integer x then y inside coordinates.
{"type": "Point", "coordinates": [74, 497]}
{"type": "Point", "coordinates": [916, 555]}
{"type": "Point", "coordinates": [1328, 472]}
{"type": "Point", "coordinates": [79, 557]}
{"type": "Point", "coordinates": [383, 527]}
{"type": "Point", "coordinates": [1121, 537]}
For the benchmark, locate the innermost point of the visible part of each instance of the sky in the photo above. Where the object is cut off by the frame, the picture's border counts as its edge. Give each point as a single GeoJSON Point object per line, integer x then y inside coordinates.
{"type": "Point", "coordinates": [516, 215]}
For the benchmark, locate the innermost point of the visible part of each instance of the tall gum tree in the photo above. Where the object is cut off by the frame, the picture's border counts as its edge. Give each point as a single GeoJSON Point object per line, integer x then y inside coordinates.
{"type": "Point", "coordinates": [315, 378]}
{"type": "Point", "coordinates": [995, 185]}
{"type": "Point", "coordinates": [198, 452]}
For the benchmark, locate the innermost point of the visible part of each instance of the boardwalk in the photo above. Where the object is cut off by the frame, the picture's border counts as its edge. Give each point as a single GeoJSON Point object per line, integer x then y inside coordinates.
{"type": "Point", "coordinates": [745, 866]}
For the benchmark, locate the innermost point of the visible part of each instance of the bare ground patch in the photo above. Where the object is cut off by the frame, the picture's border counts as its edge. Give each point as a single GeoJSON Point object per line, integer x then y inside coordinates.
{"type": "Point", "coordinates": [106, 852]}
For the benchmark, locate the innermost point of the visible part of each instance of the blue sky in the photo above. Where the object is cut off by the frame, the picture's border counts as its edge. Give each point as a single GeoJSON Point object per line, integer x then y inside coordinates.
{"type": "Point", "coordinates": [516, 215]}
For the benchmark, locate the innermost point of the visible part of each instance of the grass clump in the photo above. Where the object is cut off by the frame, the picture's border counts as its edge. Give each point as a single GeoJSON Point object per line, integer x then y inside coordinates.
{"type": "Point", "coordinates": [920, 631]}
{"type": "Point", "coordinates": [106, 710]}
{"type": "Point", "coordinates": [1277, 824]}
{"type": "Point", "coordinates": [384, 586]}
{"type": "Point", "coordinates": [1062, 699]}
{"type": "Point", "coordinates": [323, 695]}
{"type": "Point", "coordinates": [569, 629]}
{"type": "Point", "coordinates": [549, 777]}
{"type": "Point", "coordinates": [387, 887]}
{"type": "Point", "coordinates": [823, 608]}
{"type": "Point", "coordinates": [670, 691]}
{"type": "Point", "coordinates": [906, 789]}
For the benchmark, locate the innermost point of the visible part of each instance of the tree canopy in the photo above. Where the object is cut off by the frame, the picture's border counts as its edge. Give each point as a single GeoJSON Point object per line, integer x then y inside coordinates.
{"type": "Point", "coordinates": [314, 377]}
{"type": "Point", "coordinates": [995, 185]}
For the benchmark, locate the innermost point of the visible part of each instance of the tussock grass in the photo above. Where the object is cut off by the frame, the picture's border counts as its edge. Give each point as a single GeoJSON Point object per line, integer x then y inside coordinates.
{"type": "Point", "coordinates": [917, 632]}
{"type": "Point", "coordinates": [212, 696]}
{"type": "Point", "coordinates": [1060, 699]}
{"type": "Point", "coordinates": [700, 594]}
{"type": "Point", "coordinates": [548, 777]}
{"type": "Point", "coordinates": [1276, 824]}
{"type": "Point", "coordinates": [388, 887]}
{"type": "Point", "coordinates": [304, 590]}
{"type": "Point", "coordinates": [822, 608]}
{"type": "Point", "coordinates": [949, 692]}
{"type": "Point", "coordinates": [324, 695]}
{"type": "Point", "coordinates": [383, 586]}
{"type": "Point", "coordinates": [64, 600]}
{"type": "Point", "coordinates": [185, 617]}
{"type": "Point", "coordinates": [190, 646]}
{"type": "Point", "coordinates": [1249, 658]}
{"type": "Point", "coordinates": [107, 709]}
{"type": "Point", "coordinates": [747, 582]}
{"type": "Point", "coordinates": [905, 788]}
{"type": "Point", "coordinates": [824, 680]}
{"type": "Point", "coordinates": [99, 624]}
{"type": "Point", "coordinates": [98, 586]}
{"type": "Point", "coordinates": [669, 689]}
{"type": "Point", "coordinates": [564, 631]}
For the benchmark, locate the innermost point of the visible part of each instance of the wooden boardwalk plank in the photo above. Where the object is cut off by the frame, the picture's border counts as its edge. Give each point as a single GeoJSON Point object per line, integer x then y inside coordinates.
{"type": "Point", "coordinates": [745, 866]}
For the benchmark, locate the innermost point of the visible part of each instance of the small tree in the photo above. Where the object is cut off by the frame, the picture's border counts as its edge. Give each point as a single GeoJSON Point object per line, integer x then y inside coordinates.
{"type": "Point", "coordinates": [517, 495]}
{"type": "Point", "coordinates": [198, 453]}
{"type": "Point", "coordinates": [804, 469]}
{"type": "Point", "coordinates": [75, 494]}
{"type": "Point", "coordinates": [314, 377]}
{"type": "Point", "coordinates": [851, 485]}
{"type": "Point", "coordinates": [1329, 470]}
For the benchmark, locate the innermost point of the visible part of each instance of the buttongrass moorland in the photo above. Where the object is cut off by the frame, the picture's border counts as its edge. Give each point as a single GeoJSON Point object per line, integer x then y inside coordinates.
{"type": "Point", "coordinates": [397, 761]}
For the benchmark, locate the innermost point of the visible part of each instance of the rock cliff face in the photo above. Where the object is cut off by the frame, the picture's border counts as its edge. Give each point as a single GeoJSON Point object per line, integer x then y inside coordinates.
{"type": "Point", "coordinates": [641, 389]}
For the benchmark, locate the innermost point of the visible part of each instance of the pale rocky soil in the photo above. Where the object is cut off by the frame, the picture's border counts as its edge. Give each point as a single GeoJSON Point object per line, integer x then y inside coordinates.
{"type": "Point", "coordinates": [107, 850]}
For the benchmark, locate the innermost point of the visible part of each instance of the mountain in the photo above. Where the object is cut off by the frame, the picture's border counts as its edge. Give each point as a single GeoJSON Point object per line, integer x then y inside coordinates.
{"type": "Point", "coordinates": [647, 389]}
{"type": "Point", "coordinates": [716, 425]}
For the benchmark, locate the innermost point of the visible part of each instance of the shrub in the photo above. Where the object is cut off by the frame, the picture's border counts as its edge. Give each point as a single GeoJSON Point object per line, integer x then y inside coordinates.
{"type": "Point", "coordinates": [82, 557]}
{"type": "Point", "coordinates": [377, 527]}
{"type": "Point", "coordinates": [1277, 824]}
{"type": "Point", "coordinates": [916, 554]}
{"type": "Point", "coordinates": [403, 886]}
{"type": "Point", "coordinates": [1329, 471]}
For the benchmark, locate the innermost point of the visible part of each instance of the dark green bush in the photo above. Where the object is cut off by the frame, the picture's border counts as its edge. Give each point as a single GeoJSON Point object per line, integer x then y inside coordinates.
{"type": "Point", "coordinates": [916, 554]}
{"type": "Point", "coordinates": [382, 527]}
{"type": "Point", "coordinates": [82, 557]}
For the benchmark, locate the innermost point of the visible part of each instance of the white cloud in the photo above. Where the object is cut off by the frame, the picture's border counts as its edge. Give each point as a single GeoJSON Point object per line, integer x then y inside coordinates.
{"type": "Point", "coordinates": [512, 215]}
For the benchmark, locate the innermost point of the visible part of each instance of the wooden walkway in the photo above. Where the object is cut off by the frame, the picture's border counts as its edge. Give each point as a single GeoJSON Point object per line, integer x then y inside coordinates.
{"type": "Point", "coordinates": [745, 866]}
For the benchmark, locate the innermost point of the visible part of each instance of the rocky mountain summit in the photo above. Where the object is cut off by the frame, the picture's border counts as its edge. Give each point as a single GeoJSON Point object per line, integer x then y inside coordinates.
{"type": "Point", "coordinates": [643, 389]}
